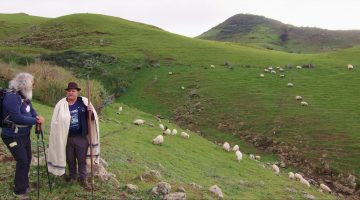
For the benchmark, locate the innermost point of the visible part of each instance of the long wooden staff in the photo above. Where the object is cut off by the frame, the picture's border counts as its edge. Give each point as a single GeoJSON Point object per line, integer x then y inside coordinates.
{"type": "Point", "coordinates": [90, 138]}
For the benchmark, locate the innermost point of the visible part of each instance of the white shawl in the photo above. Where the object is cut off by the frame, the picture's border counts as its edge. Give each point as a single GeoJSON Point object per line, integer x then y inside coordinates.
{"type": "Point", "coordinates": [60, 123]}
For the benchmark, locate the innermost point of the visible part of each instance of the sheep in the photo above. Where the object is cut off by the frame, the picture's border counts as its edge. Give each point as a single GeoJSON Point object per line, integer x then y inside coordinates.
{"type": "Point", "coordinates": [282, 75]}
{"type": "Point", "coordinates": [276, 169]}
{"type": "Point", "coordinates": [252, 157]}
{"type": "Point", "coordinates": [212, 66]}
{"type": "Point", "coordinates": [262, 75]}
{"type": "Point", "coordinates": [119, 110]}
{"type": "Point", "coordinates": [298, 176]}
{"type": "Point", "coordinates": [290, 85]}
{"type": "Point", "coordinates": [167, 131]}
{"type": "Point", "coordinates": [281, 69]}
{"type": "Point", "coordinates": [170, 73]}
{"type": "Point", "coordinates": [174, 132]}
{"type": "Point", "coordinates": [158, 140]}
{"type": "Point", "coordinates": [304, 103]}
{"type": "Point", "coordinates": [182, 87]}
{"type": "Point", "coordinates": [298, 67]}
{"type": "Point", "coordinates": [305, 182]}
{"type": "Point", "coordinates": [325, 188]}
{"type": "Point", "coordinates": [291, 176]}
{"type": "Point", "coordinates": [162, 127]}
{"type": "Point", "coordinates": [277, 67]}
{"type": "Point", "coordinates": [266, 70]}
{"type": "Point", "coordinates": [350, 67]}
{"type": "Point", "coordinates": [257, 158]}
{"type": "Point", "coordinates": [139, 122]}
{"type": "Point", "coordinates": [273, 71]}
{"type": "Point", "coordinates": [235, 148]}
{"type": "Point", "coordinates": [185, 135]}
{"type": "Point", "coordinates": [238, 155]}
{"type": "Point", "coordinates": [226, 146]}
{"type": "Point", "coordinates": [270, 68]}
{"type": "Point", "coordinates": [298, 97]}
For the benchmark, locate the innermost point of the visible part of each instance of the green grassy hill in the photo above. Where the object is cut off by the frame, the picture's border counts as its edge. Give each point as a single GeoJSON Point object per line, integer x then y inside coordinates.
{"type": "Point", "coordinates": [224, 103]}
{"type": "Point", "coordinates": [128, 150]}
{"type": "Point", "coordinates": [272, 34]}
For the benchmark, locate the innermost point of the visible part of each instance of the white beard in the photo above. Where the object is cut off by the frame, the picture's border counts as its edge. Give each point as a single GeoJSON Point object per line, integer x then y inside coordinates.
{"type": "Point", "coordinates": [27, 94]}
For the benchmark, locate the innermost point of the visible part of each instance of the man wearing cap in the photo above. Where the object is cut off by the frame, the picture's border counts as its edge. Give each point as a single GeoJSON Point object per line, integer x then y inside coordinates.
{"type": "Point", "coordinates": [69, 136]}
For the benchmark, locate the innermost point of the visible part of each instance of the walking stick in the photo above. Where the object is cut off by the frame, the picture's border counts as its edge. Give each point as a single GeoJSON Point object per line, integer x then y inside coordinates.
{"type": "Point", "coordinates": [90, 139]}
{"type": "Point", "coordinates": [39, 133]}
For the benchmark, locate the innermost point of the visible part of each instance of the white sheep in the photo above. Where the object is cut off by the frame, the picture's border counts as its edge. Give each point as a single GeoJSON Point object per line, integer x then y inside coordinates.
{"type": "Point", "coordinates": [291, 175]}
{"type": "Point", "coordinates": [276, 169]}
{"type": "Point", "coordinates": [282, 75]}
{"type": "Point", "coordinates": [262, 75]}
{"type": "Point", "coordinates": [298, 176]}
{"type": "Point", "coordinates": [298, 67]}
{"type": "Point", "coordinates": [304, 103]}
{"type": "Point", "coordinates": [273, 71]}
{"type": "Point", "coordinates": [257, 158]}
{"type": "Point", "coordinates": [182, 87]}
{"type": "Point", "coordinates": [350, 67]}
{"type": "Point", "coordinates": [158, 140]}
{"type": "Point", "coordinates": [162, 127]}
{"type": "Point", "coordinates": [298, 97]}
{"type": "Point", "coordinates": [252, 157]}
{"type": "Point", "coordinates": [238, 155]}
{"type": "Point", "coordinates": [170, 73]}
{"type": "Point", "coordinates": [139, 122]}
{"type": "Point", "coordinates": [266, 70]}
{"type": "Point", "coordinates": [270, 68]}
{"type": "Point", "coordinates": [119, 110]}
{"type": "Point", "coordinates": [277, 67]}
{"type": "Point", "coordinates": [226, 146]}
{"type": "Point", "coordinates": [174, 132]}
{"type": "Point", "coordinates": [305, 182]}
{"type": "Point", "coordinates": [235, 148]}
{"type": "Point", "coordinates": [167, 132]}
{"type": "Point", "coordinates": [212, 66]}
{"type": "Point", "coordinates": [290, 85]}
{"type": "Point", "coordinates": [325, 188]}
{"type": "Point", "coordinates": [184, 135]}
{"type": "Point", "coordinates": [281, 69]}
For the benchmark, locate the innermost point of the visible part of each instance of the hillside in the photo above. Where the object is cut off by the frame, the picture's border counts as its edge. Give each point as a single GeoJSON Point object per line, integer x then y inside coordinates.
{"type": "Point", "coordinates": [128, 150]}
{"type": "Point", "coordinates": [228, 102]}
{"type": "Point", "coordinates": [271, 34]}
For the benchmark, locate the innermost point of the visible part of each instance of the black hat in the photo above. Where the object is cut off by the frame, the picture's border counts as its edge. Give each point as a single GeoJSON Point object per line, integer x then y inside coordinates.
{"type": "Point", "coordinates": [72, 85]}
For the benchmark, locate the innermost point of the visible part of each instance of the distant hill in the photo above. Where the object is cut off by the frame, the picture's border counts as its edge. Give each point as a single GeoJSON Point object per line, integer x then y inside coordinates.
{"type": "Point", "coordinates": [272, 34]}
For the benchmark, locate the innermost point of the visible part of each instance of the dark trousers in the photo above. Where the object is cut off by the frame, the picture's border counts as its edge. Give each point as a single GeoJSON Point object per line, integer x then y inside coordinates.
{"type": "Point", "coordinates": [76, 150]}
{"type": "Point", "coordinates": [20, 148]}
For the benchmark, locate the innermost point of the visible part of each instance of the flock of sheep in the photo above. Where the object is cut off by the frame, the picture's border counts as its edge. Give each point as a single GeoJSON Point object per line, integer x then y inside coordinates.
{"type": "Point", "coordinates": [226, 146]}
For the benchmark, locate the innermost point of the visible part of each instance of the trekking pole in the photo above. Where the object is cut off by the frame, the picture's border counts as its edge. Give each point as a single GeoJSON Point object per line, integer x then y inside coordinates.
{"type": "Point", "coordinates": [90, 139]}
{"type": "Point", "coordinates": [38, 162]}
{"type": "Point", "coordinates": [46, 164]}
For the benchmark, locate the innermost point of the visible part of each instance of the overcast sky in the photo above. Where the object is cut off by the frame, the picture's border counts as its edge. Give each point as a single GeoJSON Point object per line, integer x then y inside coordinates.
{"type": "Point", "coordinates": [193, 17]}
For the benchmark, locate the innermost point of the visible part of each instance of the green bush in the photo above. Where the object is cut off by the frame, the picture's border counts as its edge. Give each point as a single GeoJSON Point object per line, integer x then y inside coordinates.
{"type": "Point", "coordinates": [17, 59]}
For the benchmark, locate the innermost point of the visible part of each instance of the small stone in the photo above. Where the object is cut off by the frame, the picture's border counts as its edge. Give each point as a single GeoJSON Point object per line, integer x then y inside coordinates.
{"type": "Point", "coordinates": [216, 191]}
{"type": "Point", "coordinates": [181, 189]}
{"type": "Point", "coordinates": [162, 188]}
{"type": "Point", "coordinates": [309, 197]}
{"type": "Point", "coordinates": [131, 187]}
{"type": "Point", "coordinates": [196, 186]}
{"type": "Point", "coordinates": [176, 196]}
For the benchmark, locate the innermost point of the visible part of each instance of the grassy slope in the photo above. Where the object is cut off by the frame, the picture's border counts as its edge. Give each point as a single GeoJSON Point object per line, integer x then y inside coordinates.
{"type": "Point", "coordinates": [129, 152]}
{"type": "Point", "coordinates": [328, 125]}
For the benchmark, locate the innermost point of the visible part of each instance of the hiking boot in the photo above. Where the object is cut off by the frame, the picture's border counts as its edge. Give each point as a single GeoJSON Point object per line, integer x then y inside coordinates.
{"type": "Point", "coordinates": [85, 184]}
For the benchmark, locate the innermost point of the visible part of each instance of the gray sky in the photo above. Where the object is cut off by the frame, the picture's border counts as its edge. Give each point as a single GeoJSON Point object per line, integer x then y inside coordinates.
{"type": "Point", "coordinates": [193, 17]}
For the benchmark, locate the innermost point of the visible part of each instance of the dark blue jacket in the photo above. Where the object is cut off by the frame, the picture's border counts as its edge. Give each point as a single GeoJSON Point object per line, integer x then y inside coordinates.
{"type": "Point", "coordinates": [84, 117]}
{"type": "Point", "coordinates": [21, 112]}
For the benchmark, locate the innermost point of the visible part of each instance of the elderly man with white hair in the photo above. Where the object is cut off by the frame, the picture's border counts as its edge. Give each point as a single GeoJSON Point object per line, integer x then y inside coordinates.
{"type": "Point", "coordinates": [20, 116]}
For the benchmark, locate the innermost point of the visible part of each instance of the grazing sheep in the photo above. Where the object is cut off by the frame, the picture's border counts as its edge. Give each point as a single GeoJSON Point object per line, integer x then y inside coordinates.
{"type": "Point", "coordinates": [238, 155]}
{"type": "Point", "coordinates": [182, 87]}
{"type": "Point", "coordinates": [290, 85]}
{"type": "Point", "coordinates": [325, 188]}
{"type": "Point", "coordinates": [162, 127]}
{"type": "Point", "coordinates": [252, 157]}
{"type": "Point", "coordinates": [281, 69]}
{"type": "Point", "coordinates": [119, 110]}
{"type": "Point", "coordinates": [277, 67]}
{"type": "Point", "coordinates": [139, 122]}
{"type": "Point", "coordinates": [298, 67]}
{"type": "Point", "coordinates": [170, 73]}
{"type": "Point", "coordinates": [262, 75]}
{"type": "Point", "coordinates": [226, 146]}
{"type": "Point", "coordinates": [257, 158]}
{"type": "Point", "coordinates": [184, 135]}
{"type": "Point", "coordinates": [212, 66]}
{"type": "Point", "coordinates": [235, 148]}
{"type": "Point", "coordinates": [298, 97]}
{"type": "Point", "coordinates": [174, 132]}
{"type": "Point", "coordinates": [350, 67]}
{"type": "Point", "coordinates": [291, 176]}
{"type": "Point", "coordinates": [158, 140]}
{"type": "Point", "coordinates": [305, 182]}
{"type": "Point", "coordinates": [298, 176]}
{"type": "Point", "coordinates": [266, 70]}
{"type": "Point", "coordinates": [282, 75]}
{"type": "Point", "coordinates": [167, 131]}
{"type": "Point", "coordinates": [304, 103]}
{"type": "Point", "coordinates": [276, 169]}
{"type": "Point", "coordinates": [270, 68]}
{"type": "Point", "coordinates": [273, 71]}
